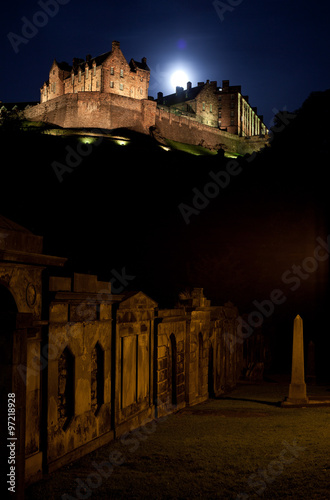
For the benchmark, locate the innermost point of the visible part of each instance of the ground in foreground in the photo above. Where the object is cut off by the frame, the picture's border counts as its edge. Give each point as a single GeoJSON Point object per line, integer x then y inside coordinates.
{"type": "Point", "coordinates": [240, 446]}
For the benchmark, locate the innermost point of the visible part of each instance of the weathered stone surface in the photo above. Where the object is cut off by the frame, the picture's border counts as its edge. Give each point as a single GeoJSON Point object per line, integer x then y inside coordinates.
{"type": "Point", "coordinates": [110, 362]}
{"type": "Point", "coordinates": [297, 388]}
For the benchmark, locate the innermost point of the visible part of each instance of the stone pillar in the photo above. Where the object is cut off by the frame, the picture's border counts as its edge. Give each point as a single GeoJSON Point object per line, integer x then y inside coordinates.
{"type": "Point", "coordinates": [297, 389]}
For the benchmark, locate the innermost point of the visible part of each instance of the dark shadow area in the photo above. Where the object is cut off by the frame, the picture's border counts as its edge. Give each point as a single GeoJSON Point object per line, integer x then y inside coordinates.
{"type": "Point", "coordinates": [268, 403]}
{"type": "Point", "coordinates": [118, 208]}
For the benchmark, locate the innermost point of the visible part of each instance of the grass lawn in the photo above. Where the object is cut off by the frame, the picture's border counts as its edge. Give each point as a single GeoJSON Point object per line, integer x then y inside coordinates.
{"type": "Point", "coordinates": [190, 148]}
{"type": "Point", "coordinates": [237, 447]}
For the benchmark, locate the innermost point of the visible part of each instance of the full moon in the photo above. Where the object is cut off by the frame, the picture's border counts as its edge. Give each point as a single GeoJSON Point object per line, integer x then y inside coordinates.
{"type": "Point", "coordinates": [179, 79]}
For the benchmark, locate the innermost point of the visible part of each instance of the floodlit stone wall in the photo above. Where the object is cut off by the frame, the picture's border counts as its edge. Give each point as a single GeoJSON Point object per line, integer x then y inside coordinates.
{"type": "Point", "coordinates": [95, 110]}
{"type": "Point", "coordinates": [79, 369]}
{"type": "Point", "coordinates": [112, 111]}
{"type": "Point", "coordinates": [189, 130]}
{"type": "Point", "coordinates": [118, 361]}
{"type": "Point", "coordinates": [102, 364]}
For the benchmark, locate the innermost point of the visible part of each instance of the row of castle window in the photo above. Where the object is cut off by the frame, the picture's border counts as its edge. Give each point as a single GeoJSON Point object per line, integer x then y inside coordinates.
{"type": "Point", "coordinates": [232, 105]}
{"type": "Point", "coordinates": [112, 72]}
{"type": "Point", "coordinates": [204, 107]}
{"type": "Point", "coordinates": [112, 86]}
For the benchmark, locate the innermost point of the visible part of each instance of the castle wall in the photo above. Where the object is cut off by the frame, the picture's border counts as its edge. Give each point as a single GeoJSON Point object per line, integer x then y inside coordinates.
{"type": "Point", "coordinates": [95, 110]}
{"type": "Point", "coordinates": [188, 130]}
{"type": "Point", "coordinates": [111, 111]}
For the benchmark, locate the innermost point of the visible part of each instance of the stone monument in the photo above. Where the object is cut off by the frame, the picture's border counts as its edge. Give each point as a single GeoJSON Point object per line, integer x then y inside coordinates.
{"type": "Point", "coordinates": [297, 389]}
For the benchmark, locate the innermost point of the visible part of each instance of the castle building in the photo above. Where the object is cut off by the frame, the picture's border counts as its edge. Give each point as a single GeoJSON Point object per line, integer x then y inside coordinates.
{"type": "Point", "coordinates": [108, 73]}
{"type": "Point", "coordinates": [107, 92]}
{"type": "Point", "coordinates": [220, 107]}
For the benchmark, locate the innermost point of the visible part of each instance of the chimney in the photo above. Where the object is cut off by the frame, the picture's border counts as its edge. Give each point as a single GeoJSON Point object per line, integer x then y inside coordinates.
{"type": "Point", "coordinates": [188, 85]}
{"type": "Point", "coordinates": [179, 90]}
{"type": "Point", "coordinates": [115, 45]}
{"type": "Point", "coordinates": [88, 58]}
{"type": "Point", "coordinates": [160, 97]}
{"type": "Point", "coordinates": [75, 63]}
{"type": "Point", "coordinates": [200, 84]}
{"type": "Point", "coordinates": [144, 60]}
{"type": "Point", "coordinates": [225, 84]}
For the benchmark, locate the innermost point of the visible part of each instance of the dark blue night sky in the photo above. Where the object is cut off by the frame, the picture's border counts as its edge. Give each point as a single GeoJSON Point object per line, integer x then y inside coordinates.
{"type": "Point", "coordinates": [277, 50]}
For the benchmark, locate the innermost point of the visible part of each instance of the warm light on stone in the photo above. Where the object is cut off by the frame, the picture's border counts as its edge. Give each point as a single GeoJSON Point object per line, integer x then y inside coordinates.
{"type": "Point", "coordinates": [297, 389]}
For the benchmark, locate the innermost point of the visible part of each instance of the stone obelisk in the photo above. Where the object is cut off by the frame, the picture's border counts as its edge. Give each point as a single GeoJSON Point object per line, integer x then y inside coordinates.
{"type": "Point", "coordinates": [297, 389]}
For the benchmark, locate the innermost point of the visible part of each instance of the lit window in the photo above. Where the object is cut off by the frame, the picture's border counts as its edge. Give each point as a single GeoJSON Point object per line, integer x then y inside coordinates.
{"type": "Point", "coordinates": [86, 72]}
{"type": "Point", "coordinates": [121, 87]}
{"type": "Point", "coordinates": [79, 76]}
{"type": "Point", "coordinates": [121, 73]}
{"type": "Point", "coordinates": [203, 106]}
{"type": "Point", "coordinates": [94, 71]}
{"type": "Point", "coordinates": [211, 108]}
{"type": "Point", "coordinates": [112, 71]}
{"type": "Point", "coordinates": [112, 85]}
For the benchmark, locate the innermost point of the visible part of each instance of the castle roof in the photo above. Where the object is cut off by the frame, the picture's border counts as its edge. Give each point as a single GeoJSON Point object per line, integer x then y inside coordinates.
{"type": "Point", "coordinates": [98, 60]}
{"type": "Point", "coordinates": [182, 95]}
{"type": "Point", "coordinates": [139, 65]}
{"type": "Point", "coordinates": [64, 66]}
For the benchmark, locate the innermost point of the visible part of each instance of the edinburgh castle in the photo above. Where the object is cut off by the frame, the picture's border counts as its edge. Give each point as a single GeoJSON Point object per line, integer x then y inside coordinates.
{"type": "Point", "coordinates": [107, 92]}
{"type": "Point", "coordinates": [89, 358]}
{"type": "Point", "coordinates": [89, 361]}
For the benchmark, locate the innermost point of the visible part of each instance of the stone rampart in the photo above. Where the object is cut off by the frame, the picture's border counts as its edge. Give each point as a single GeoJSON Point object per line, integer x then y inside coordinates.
{"type": "Point", "coordinates": [95, 110]}
{"type": "Point", "coordinates": [112, 111]}
{"type": "Point", "coordinates": [188, 130]}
